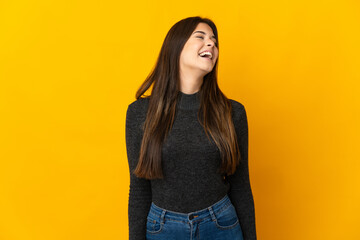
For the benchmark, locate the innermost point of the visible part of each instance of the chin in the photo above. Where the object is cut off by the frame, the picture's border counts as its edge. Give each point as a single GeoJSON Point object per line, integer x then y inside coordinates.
{"type": "Point", "coordinates": [208, 70]}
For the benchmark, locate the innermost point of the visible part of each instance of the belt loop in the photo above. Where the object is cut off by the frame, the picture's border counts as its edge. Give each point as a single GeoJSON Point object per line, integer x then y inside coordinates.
{"type": "Point", "coordinates": [162, 218]}
{"type": "Point", "coordinates": [212, 214]}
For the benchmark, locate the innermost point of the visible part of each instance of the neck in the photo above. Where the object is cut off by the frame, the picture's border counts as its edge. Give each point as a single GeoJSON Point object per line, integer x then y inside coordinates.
{"type": "Point", "coordinates": [190, 83]}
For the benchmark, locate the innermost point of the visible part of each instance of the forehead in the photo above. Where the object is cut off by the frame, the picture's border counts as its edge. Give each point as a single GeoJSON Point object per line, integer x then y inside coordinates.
{"type": "Point", "coordinates": [204, 27]}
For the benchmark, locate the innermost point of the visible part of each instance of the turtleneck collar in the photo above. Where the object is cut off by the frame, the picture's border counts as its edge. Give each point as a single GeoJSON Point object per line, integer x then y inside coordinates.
{"type": "Point", "coordinates": [189, 101]}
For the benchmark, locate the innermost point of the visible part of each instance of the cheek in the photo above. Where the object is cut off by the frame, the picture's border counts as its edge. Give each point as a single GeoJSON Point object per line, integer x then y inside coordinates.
{"type": "Point", "coordinates": [217, 54]}
{"type": "Point", "coordinates": [186, 55]}
{"type": "Point", "coordinates": [191, 53]}
{"type": "Point", "coordinates": [194, 47]}
{"type": "Point", "coordinates": [190, 50]}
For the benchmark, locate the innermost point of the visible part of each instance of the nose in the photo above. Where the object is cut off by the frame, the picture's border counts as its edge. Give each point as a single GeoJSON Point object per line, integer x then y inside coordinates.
{"type": "Point", "coordinates": [210, 43]}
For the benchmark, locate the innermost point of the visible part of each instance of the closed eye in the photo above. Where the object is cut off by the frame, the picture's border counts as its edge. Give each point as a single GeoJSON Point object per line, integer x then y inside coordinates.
{"type": "Point", "coordinates": [203, 38]}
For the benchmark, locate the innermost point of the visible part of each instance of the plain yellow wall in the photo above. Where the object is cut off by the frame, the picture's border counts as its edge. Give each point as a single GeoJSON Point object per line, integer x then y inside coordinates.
{"type": "Point", "coordinates": [69, 69]}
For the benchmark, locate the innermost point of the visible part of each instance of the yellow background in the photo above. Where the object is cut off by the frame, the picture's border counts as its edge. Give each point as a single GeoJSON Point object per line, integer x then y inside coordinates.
{"type": "Point", "coordinates": [69, 69]}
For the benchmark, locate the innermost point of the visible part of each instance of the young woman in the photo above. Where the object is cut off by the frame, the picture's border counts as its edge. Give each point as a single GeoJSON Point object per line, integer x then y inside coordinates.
{"type": "Point", "coordinates": [187, 146]}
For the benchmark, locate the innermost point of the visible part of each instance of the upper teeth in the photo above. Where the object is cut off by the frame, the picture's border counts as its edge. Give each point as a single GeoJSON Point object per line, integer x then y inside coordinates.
{"type": "Point", "coordinates": [206, 53]}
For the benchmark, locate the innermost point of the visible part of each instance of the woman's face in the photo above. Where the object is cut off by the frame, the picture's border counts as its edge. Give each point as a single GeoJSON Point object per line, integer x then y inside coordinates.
{"type": "Point", "coordinates": [202, 39]}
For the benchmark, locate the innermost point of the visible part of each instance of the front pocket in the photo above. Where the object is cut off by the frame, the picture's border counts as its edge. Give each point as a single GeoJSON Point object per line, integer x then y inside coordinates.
{"type": "Point", "coordinates": [227, 218]}
{"type": "Point", "coordinates": [153, 224]}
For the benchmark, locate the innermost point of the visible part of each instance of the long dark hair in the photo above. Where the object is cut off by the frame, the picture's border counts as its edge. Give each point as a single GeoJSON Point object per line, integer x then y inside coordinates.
{"type": "Point", "coordinates": [214, 113]}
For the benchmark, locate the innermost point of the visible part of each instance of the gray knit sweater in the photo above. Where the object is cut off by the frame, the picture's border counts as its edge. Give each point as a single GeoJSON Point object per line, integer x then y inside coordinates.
{"type": "Point", "coordinates": [189, 163]}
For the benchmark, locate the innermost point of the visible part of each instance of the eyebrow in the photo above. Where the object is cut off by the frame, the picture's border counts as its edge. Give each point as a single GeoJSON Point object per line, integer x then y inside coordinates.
{"type": "Point", "coordinates": [213, 36]}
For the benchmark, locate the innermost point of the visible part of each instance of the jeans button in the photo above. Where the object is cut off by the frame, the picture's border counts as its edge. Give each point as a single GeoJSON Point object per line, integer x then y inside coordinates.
{"type": "Point", "coordinates": [191, 217]}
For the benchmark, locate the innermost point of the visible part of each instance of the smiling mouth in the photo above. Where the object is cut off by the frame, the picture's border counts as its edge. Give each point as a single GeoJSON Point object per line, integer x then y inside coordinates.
{"type": "Point", "coordinates": [208, 58]}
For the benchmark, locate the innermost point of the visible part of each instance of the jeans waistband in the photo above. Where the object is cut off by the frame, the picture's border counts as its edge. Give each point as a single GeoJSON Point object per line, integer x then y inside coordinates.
{"type": "Point", "coordinates": [216, 208]}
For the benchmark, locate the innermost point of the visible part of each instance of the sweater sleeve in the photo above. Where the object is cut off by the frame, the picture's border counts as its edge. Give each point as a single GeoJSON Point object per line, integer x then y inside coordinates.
{"type": "Point", "coordinates": [140, 189]}
{"type": "Point", "coordinates": [240, 192]}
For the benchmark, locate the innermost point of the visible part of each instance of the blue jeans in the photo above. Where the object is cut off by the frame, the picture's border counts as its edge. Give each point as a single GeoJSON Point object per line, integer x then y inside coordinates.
{"type": "Point", "coordinates": [216, 222]}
